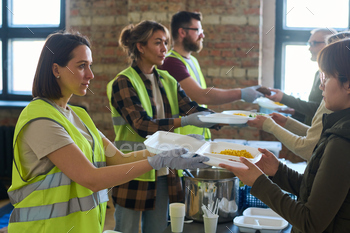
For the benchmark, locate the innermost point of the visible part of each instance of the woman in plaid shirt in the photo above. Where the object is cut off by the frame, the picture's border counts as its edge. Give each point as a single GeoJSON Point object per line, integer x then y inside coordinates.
{"type": "Point", "coordinates": [145, 100]}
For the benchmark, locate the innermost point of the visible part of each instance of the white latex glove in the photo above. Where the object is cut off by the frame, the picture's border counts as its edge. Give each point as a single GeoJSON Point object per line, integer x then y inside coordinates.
{"type": "Point", "coordinates": [174, 160]}
{"type": "Point", "coordinates": [194, 120]}
{"type": "Point", "coordinates": [249, 94]}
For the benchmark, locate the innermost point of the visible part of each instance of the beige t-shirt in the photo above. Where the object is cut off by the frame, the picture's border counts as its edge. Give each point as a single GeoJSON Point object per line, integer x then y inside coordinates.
{"type": "Point", "coordinates": [42, 137]}
{"type": "Point", "coordinates": [157, 97]}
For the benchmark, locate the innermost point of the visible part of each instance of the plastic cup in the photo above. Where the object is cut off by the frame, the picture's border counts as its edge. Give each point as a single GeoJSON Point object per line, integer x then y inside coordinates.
{"type": "Point", "coordinates": [177, 214]}
{"type": "Point", "coordinates": [210, 223]}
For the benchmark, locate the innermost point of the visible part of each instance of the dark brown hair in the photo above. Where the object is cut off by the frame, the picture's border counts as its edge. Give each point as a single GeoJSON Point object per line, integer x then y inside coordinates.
{"type": "Point", "coordinates": [139, 33]}
{"type": "Point", "coordinates": [58, 48]}
{"type": "Point", "coordinates": [182, 19]}
{"type": "Point", "coordinates": [334, 60]}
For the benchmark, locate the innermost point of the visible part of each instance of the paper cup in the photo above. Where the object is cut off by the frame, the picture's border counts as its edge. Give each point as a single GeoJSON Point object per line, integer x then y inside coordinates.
{"type": "Point", "coordinates": [177, 224]}
{"type": "Point", "coordinates": [177, 210]}
{"type": "Point", "coordinates": [210, 223]}
{"type": "Point", "coordinates": [177, 214]}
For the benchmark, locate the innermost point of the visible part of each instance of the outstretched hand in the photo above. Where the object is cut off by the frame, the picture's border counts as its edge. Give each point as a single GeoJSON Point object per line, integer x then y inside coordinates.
{"type": "Point", "coordinates": [279, 118]}
{"type": "Point", "coordinates": [247, 175]}
{"type": "Point", "coordinates": [276, 97]}
{"type": "Point", "coordinates": [258, 122]}
{"type": "Point", "coordinates": [268, 162]}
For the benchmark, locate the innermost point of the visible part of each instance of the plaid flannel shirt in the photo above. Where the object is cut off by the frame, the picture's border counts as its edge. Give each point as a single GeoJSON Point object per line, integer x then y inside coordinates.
{"type": "Point", "coordinates": [140, 195]}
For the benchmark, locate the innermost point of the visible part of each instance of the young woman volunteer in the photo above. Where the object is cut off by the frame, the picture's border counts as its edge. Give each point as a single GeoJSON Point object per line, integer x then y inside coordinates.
{"type": "Point", "coordinates": [144, 100]}
{"type": "Point", "coordinates": [62, 163]}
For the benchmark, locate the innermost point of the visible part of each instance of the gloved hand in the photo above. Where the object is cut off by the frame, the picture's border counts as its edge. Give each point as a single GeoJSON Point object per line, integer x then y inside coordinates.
{"type": "Point", "coordinates": [249, 94]}
{"type": "Point", "coordinates": [194, 120]}
{"type": "Point", "coordinates": [174, 160]}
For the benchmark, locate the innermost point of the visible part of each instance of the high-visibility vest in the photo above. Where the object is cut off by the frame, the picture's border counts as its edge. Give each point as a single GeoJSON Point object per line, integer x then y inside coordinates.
{"type": "Point", "coordinates": [190, 129]}
{"type": "Point", "coordinates": [127, 139]}
{"type": "Point", "coordinates": [52, 202]}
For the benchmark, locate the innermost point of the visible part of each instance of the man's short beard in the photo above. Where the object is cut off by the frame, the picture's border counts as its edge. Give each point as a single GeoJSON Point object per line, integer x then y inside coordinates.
{"type": "Point", "coordinates": [191, 46]}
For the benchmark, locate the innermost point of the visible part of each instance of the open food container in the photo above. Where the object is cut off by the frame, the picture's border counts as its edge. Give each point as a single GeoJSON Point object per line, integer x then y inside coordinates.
{"type": "Point", "coordinates": [273, 146]}
{"type": "Point", "coordinates": [163, 141]}
{"type": "Point", "coordinates": [221, 118]}
{"type": "Point", "coordinates": [212, 151]}
{"type": "Point", "coordinates": [264, 220]}
{"type": "Point", "coordinates": [269, 104]}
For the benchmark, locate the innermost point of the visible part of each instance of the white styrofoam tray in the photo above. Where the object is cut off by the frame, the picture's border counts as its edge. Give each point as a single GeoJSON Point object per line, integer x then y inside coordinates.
{"type": "Point", "coordinates": [163, 141]}
{"type": "Point", "coordinates": [249, 114]}
{"type": "Point", "coordinates": [237, 141]}
{"type": "Point", "coordinates": [263, 224]}
{"type": "Point", "coordinates": [269, 104]}
{"type": "Point", "coordinates": [261, 212]}
{"type": "Point", "coordinates": [273, 146]}
{"type": "Point", "coordinates": [211, 148]}
{"type": "Point", "coordinates": [221, 118]}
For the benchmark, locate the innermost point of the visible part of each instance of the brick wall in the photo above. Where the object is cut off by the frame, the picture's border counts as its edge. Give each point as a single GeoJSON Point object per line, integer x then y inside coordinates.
{"type": "Point", "coordinates": [231, 39]}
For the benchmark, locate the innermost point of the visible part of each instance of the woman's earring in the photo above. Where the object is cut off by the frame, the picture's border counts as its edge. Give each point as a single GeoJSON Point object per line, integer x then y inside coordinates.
{"type": "Point", "coordinates": [58, 76]}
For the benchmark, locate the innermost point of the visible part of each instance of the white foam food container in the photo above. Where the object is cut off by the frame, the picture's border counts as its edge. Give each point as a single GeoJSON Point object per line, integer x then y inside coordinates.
{"type": "Point", "coordinates": [249, 114]}
{"type": "Point", "coordinates": [221, 118]}
{"type": "Point", "coordinates": [210, 149]}
{"type": "Point", "coordinates": [261, 212]}
{"type": "Point", "coordinates": [162, 141]}
{"type": "Point", "coordinates": [263, 224]}
{"type": "Point", "coordinates": [237, 141]}
{"type": "Point", "coordinates": [273, 146]}
{"type": "Point", "coordinates": [269, 104]}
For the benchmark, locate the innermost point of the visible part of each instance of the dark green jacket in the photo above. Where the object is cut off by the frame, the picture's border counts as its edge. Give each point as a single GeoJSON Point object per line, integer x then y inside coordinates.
{"type": "Point", "coordinates": [323, 203]}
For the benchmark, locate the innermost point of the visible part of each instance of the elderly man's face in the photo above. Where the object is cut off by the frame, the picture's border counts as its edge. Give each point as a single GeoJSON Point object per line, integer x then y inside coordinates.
{"type": "Point", "coordinates": [317, 43]}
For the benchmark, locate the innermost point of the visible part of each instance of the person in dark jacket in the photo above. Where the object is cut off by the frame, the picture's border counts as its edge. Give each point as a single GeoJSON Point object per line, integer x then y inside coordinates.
{"type": "Point", "coordinates": [323, 203]}
{"type": "Point", "coordinates": [302, 110]}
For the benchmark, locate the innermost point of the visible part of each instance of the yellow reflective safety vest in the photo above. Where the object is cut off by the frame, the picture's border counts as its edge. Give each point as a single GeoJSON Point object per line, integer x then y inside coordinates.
{"type": "Point", "coordinates": [190, 129]}
{"type": "Point", "coordinates": [127, 139]}
{"type": "Point", "coordinates": [52, 202]}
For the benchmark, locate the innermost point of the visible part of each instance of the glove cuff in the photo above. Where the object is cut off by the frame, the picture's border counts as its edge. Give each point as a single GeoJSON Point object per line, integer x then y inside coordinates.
{"type": "Point", "coordinates": [154, 162]}
{"type": "Point", "coordinates": [183, 121]}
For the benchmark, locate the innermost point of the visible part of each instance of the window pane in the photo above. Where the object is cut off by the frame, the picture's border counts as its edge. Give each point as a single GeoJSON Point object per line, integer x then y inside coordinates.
{"type": "Point", "coordinates": [24, 59]}
{"type": "Point", "coordinates": [299, 71]}
{"type": "Point", "coordinates": [1, 67]}
{"type": "Point", "coordinates": [35, 12]}
{"type": "Point", "coordinates": [317, 13]}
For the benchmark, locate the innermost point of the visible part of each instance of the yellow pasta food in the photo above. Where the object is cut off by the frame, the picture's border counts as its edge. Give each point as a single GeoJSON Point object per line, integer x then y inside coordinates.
{"type": "Point", "coordinates": [239, 153]}
{"type": "Point", "coordinates": [278, 103]}
{"type": "Point", "coordinates": [239, 114]}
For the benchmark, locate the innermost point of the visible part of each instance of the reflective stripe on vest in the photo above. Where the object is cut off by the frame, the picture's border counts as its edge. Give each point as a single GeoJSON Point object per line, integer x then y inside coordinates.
{"type": "Point", "coordinates": [55, 210]}
{"type": "Point", "coordinates": [50, 181]}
